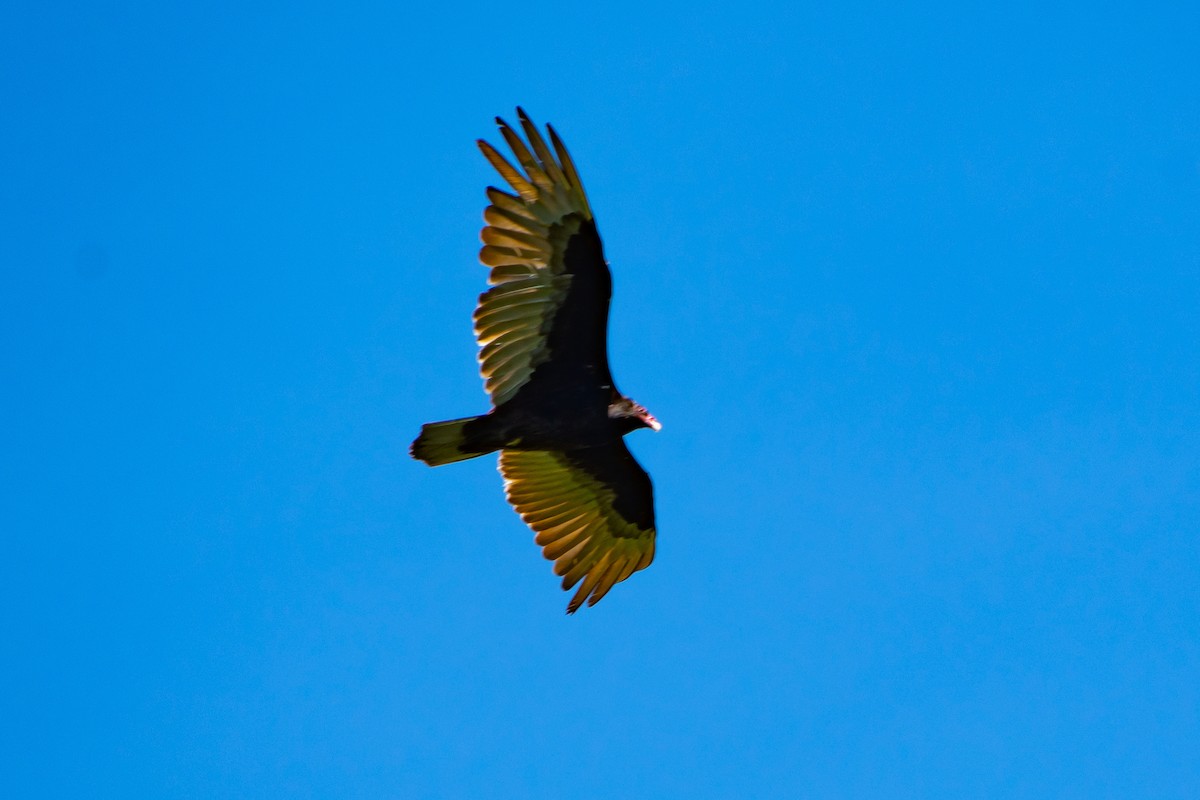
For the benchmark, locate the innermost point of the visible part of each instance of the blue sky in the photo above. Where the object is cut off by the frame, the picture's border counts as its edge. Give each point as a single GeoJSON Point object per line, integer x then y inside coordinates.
{"type": "Point", "coordinates": [915, 293]}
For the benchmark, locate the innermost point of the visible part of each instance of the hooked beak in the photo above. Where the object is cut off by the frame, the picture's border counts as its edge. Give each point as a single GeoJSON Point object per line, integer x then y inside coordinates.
{"type": "Point", "coordinates": [651, 423]}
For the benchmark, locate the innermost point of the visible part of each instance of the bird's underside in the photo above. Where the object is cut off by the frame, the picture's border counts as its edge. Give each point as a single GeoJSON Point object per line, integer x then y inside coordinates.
{"type": "Point", "coordinates": [557, 417]}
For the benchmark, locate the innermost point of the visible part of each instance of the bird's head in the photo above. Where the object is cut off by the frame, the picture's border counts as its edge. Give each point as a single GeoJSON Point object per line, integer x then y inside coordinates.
{"type": "Point", "coordinates": [629, 416]}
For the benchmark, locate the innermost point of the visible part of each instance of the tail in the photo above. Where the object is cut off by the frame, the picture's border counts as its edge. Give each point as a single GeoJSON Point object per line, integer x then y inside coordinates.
{"type": "Point", "coordinates": [445, 442]}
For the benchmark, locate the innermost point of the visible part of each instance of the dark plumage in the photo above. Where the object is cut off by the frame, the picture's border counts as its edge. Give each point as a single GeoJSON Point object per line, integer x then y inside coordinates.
{"type": "Point", "coordinates": [557, 417]}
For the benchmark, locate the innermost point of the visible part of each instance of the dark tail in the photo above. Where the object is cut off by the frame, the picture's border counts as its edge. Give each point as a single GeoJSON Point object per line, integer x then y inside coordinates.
{"type": "Point", "coordinates": [445, 442]}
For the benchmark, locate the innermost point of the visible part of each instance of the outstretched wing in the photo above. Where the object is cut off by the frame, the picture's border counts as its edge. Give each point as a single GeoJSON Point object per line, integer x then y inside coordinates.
{"type": "Point", "coordinates": [547, 312]}
{"type": "Point", "coordinates": [592, 510]}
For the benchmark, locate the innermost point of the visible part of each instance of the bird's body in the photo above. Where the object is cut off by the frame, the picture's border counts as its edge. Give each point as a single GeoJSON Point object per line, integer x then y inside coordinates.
{"type": "Point", "coordinates": [558, 419]}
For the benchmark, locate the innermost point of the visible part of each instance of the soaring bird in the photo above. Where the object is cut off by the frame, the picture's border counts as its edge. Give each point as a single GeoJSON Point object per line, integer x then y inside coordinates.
{"type": "Point", "coordinates": [557, 416]}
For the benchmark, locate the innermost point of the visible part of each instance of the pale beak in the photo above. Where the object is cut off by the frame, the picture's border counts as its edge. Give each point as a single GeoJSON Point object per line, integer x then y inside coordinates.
{"type": "Point", "coordinates": [651, 422]}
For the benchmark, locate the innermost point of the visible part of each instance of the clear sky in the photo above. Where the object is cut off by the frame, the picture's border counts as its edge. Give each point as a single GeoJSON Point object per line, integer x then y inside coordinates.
{"type": "Point", "coordinates": [915, 294]}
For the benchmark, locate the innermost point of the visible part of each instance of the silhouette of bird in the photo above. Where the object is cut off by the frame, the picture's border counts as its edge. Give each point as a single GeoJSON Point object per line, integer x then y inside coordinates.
{"type": "Point", "coordinates": [557, 417]}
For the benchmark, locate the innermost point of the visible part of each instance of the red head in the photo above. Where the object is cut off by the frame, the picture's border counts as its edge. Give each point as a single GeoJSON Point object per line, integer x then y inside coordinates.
{"type": "Point", "coordinates": [630, 416]}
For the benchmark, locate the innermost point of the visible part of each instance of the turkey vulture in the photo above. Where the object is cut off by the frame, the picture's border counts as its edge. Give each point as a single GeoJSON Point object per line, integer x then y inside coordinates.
{"type": "Point", "coordinates": [557, 417]}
